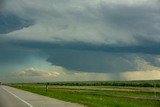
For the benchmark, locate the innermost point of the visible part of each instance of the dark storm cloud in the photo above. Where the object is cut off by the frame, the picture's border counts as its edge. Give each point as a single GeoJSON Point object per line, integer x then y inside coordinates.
{"type": "Point", "coordinates": [12, 54]}
{"type": "Point", "coordinates": [145, 46]}
{"type": "Point", "coordinates": [104, 61]}
{"type": "Point", "coordinates": [92, 61]}
{"type": "Point", "coordinates": [142, 21]}
{"type": "Point", "coordinates": [98, 61]}
{"type": "Point", "coordinates": [99, 22]}
{"type": "Point", "coordinates": [95, 37]}
{"type": "Point", "coordinates": [10, 22]}
{"type": "Point", "coordinates": [93, 58]}
{"type": "Point", "coordinates": [130, 17]}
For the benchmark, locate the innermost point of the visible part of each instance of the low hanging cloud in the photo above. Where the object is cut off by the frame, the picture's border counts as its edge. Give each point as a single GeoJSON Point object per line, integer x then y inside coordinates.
{"type": "Point", "coordinates": [93, 61]}
{"type": "Point", "coordinates": [91, 58]}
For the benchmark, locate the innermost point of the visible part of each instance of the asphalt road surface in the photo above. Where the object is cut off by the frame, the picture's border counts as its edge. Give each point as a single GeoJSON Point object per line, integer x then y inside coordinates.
{"type": "Point", "coordinates": [11, 97]}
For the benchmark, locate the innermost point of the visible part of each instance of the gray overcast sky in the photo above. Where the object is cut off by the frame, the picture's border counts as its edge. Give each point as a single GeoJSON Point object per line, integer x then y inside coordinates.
{"type": "Point", "coordinates": [66, 40]}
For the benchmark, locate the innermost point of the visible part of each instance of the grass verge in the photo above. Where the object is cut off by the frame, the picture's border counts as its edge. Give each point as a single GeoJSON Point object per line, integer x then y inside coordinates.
{"type": "Point", "coordinates": [92, 96]}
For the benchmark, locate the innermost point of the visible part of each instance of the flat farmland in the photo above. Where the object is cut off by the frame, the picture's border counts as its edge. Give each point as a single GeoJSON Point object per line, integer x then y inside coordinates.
{"type": "Point", "coordinates": [98, 96]}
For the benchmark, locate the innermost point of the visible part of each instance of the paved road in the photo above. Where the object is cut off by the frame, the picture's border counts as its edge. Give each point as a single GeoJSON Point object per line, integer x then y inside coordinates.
{"type": "Point", "coordinates": [11, 97]}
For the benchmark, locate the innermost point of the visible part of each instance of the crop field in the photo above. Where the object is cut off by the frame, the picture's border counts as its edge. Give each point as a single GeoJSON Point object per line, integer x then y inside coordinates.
{"type": "Point", "coordinates": [100, 94]}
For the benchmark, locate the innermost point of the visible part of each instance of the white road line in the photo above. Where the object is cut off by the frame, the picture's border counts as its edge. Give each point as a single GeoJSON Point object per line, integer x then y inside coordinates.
{"type": "Point", "coordinates": [18, 97]}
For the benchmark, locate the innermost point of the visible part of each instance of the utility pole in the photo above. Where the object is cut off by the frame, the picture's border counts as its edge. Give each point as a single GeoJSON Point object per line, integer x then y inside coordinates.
{"type": "Point", "coordinates": [155, 90]}
{"type": "Point", "coordinates": [47, 86]}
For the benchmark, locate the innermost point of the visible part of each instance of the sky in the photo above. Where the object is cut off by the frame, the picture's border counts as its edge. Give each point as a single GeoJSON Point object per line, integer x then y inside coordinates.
{"type": "Point", "coordinates": [79, 40]}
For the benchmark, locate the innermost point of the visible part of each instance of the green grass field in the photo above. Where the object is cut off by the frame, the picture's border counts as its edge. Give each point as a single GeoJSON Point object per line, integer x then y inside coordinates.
{"type": "Point", "coordinates": [99, 96]}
